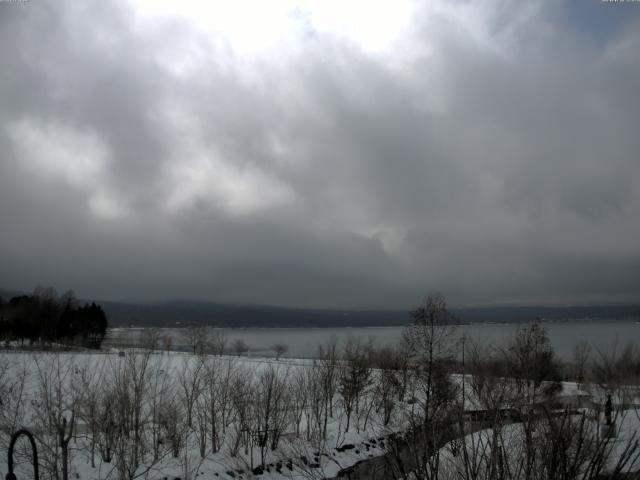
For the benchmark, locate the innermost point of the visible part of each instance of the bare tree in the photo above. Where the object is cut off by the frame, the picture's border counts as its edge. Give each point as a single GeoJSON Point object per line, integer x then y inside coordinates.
{"type": "Point", "coordinates": [130, 394]}
{"type": "Point", "coordinates": [299, 399]}
{"type": "Point", "coordinates": [532, 363]}
{"type": "Point", "coordinates": [167, 342]}
{"type": "Point", "coordinates": [271, 402]}
{"type": "Point", "coordinates": [215, 400]}
{"type": "Point", "coordinates": [581, 356]}
{"type": "Point", "coordinates": [280, 349]}
{"type": "Point", "coordinates": [161, 389]}
{"type": "Point", "coordinates": [491, 391]}
{"type": "Point", "coordinates": [56, 410]}
{"type": "Point", "coordinates": [150, 339]}
{"type": "Point", "coordinates": [196, 336]}
{"type": "Point", "coordinates": [327, 371]}
{"type": "Point", "coordinates": [174, 428]}
{"type": "Point", "coordinates": [190, 384]}
{"type": "Point", "coordinates": [390, 380]}
{"type": "Point", "coordinates": [218, 341]}
{"type": "Point", "coordinates": [354, 377]}
{"type": "Point", "coordinates": [13, 380]}
{"type": "Point", "coordinates": [242, 391]}
{"type": "Point", "coordinates": [106, 420]}
{"type": "Point", "coordinates": [240, 347]}
{"type": "Point", "coordinates": [431, 342]}
{"type": "Point", "coordinates": [316, 411]}
{"type": "Point", "coordinates": [91, 382]}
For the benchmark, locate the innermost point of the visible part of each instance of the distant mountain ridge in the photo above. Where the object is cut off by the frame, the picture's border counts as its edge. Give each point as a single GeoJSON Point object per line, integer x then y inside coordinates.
{"type": "Point", "coordinates": [182, 313]}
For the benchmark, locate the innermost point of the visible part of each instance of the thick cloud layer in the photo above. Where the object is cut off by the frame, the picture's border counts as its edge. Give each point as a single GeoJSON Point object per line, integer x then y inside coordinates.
{"type": "Point", "coordinates": [488, 150]}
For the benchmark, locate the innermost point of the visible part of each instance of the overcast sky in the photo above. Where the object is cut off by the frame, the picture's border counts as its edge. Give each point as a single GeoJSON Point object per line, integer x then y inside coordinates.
{"type": "Point", "coordinates": [319, 153]}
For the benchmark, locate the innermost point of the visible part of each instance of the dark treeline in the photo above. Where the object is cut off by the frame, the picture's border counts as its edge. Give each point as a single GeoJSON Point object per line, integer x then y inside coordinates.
{"type": "Point", "coordinates": [45, 318]}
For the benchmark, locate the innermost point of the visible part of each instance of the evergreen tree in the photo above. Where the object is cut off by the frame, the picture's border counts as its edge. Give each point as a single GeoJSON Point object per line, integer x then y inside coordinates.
{"type": "Point", "coordinates": [47, 318]}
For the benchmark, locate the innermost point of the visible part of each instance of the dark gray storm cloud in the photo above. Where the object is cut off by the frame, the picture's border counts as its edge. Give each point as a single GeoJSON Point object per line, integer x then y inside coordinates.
{"type": "Point", "coordinates": [486, 150]}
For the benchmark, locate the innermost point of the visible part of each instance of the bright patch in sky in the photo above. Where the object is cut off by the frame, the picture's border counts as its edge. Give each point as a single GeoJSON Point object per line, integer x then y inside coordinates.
{"type": "Point", "coordinates": [56, 150]}
{"type": "Point", "coordinates": [253, 27]}
{"type": "Point", "coordinates": [207, 180]}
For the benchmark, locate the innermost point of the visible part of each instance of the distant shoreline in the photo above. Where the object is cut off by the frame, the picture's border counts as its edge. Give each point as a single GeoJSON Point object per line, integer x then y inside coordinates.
{"type": "Point", "coordinates": [333, 326]}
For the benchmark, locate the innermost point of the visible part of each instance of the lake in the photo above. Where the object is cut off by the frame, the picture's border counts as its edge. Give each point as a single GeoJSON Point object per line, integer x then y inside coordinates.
{"type": "Point", "coordinates": [304, 342]}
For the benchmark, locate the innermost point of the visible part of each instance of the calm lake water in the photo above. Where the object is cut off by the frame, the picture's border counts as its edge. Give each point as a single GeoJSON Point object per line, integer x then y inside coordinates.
{"type": "Point", "coordinates": [304, 342]}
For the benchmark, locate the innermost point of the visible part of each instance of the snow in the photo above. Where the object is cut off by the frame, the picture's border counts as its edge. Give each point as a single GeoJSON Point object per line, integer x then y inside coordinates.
{"type": "Point", "coordinates": [295, 457]}
{"type": "Point", "coordinates": [319, 461]}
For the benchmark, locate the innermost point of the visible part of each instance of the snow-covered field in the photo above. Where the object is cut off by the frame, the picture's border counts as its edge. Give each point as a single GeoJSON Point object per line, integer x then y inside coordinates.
{"type": "Point", "coordinates": [174, 415]}
{"type": "Point", "coordinates": [40, 390]}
